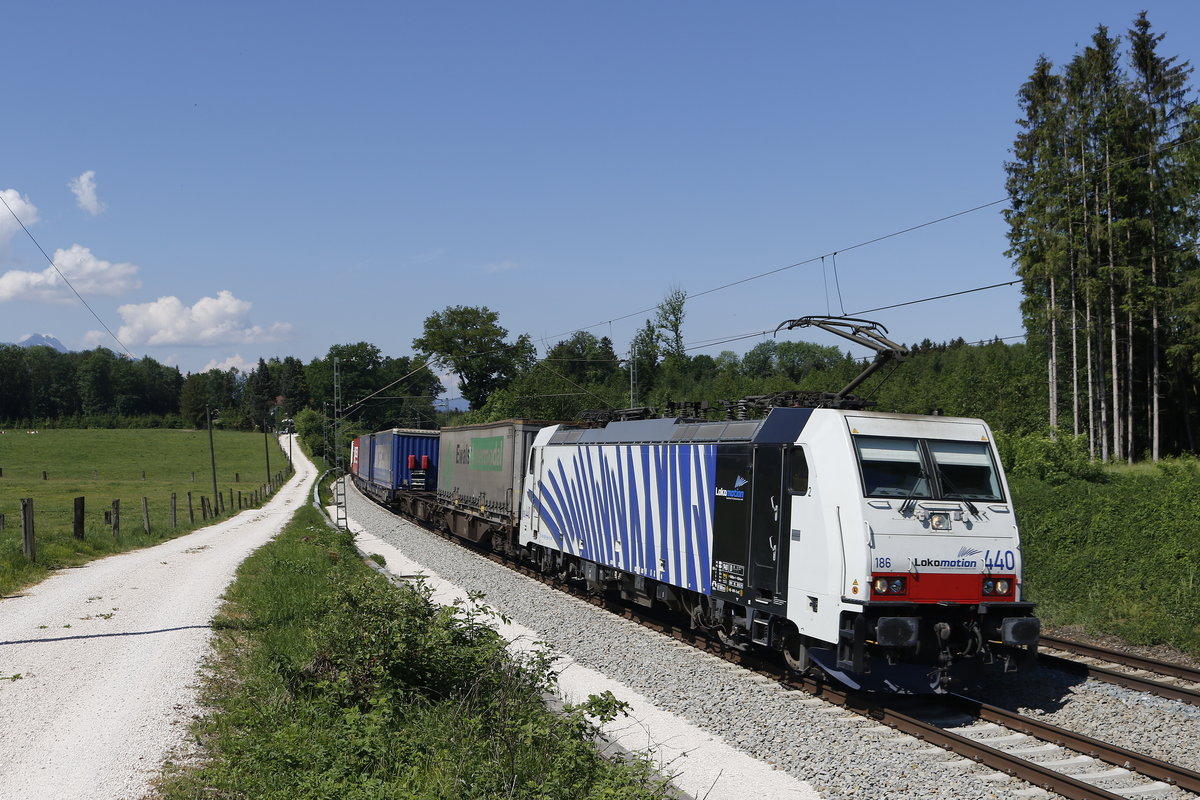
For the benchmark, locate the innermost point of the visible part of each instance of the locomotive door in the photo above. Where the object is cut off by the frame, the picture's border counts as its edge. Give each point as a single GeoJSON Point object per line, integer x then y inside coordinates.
{"type": "Point", "coordinates": [770, 525]}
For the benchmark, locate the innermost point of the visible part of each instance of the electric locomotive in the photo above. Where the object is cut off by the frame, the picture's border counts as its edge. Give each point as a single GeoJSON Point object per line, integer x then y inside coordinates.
{"type": "Point", "coordinates": [882, 548]}
{"type": "Point", "coordinates": [849, 538]}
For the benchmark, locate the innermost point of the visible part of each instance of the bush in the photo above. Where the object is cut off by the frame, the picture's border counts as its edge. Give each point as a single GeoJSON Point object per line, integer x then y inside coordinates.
{"type": "Point", "coordinates": [338, 685]}
{"type": "Point", "coordinates": [1116, 557]}
{"type": "Point", "coordinates": [1055, 460]}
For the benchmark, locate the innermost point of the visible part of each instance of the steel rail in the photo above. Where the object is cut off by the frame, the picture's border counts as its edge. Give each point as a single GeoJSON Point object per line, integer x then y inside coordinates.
{"type": "Point", "coordinates": [1113, 754]}
{"type": "Point", "coordinates": [1135, 682]}
{"type": "Point", "coordinates": [873, 708]}
{"type": "Point", "coordinates": [1124, 659]}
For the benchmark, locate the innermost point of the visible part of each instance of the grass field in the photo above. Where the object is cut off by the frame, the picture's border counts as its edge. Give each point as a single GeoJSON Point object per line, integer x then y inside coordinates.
{"type": "Point", "coordinates": [125, 465]}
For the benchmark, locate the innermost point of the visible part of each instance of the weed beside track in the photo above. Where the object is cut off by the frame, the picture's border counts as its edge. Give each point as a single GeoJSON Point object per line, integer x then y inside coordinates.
{"type": "Point", "coordinates": [332, 683]}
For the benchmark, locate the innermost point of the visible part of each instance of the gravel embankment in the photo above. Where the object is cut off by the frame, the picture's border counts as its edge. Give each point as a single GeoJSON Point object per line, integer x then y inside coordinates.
{"type": "Point", "coordinates": [842, 755]}
{"type": "Point", "coordinates": [99, 664]}
{"type": "Point", "coordinates": [1155, 726]}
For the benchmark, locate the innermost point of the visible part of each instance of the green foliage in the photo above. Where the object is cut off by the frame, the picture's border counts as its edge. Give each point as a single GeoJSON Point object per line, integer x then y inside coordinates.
{"type": "Point", "coordinates": [402, 390]}
{"type": "Point", "coordinates": [310, 430]}
{"type": "Point", "coordinates": [335, 684]}
{"type": "Point", "coordinates": [470, 342]}
{"type": "Point", "coordinates": [40, 383]}
{"type": "Point", "coordinates": [1045, 458]}
{"type": "Point", "coordinates": [1118, 556]}
{"type": "Point", "coordinates": [1102, 230]}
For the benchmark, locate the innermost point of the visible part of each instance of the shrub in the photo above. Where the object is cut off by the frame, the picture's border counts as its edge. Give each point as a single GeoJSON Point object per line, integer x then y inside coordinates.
{"type": "Point", "coordinates": [1055, 460]}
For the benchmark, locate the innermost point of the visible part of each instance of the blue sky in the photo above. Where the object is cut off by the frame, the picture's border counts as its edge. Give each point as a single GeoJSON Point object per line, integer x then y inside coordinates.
{"type": "Point", "coordinates": [228, 181]}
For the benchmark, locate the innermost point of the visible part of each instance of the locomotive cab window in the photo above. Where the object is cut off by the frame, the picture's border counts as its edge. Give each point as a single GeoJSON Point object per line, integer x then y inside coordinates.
{"type": "Point", "coordinates": [797, 471]}
{"type": "Point", "coordinates": [892, 467]}
{"type": "Point", "coordinates": [965, 469]}
{"type": "Point", "coordinates": [927, 469]}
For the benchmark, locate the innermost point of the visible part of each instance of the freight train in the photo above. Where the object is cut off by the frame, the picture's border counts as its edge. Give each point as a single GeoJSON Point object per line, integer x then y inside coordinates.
{"type": "Point", "coordinates": [881, 548]}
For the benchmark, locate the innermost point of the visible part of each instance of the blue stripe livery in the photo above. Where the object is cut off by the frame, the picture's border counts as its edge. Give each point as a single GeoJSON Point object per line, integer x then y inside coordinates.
{"type": "Point", "coordinates": [645, 509]}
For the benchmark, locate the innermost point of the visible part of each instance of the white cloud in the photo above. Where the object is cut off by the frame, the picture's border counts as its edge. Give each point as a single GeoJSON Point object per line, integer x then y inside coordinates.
{"type": "Point", "coordinates": [89, 275]}
{"type": "Point", "coordinates": [233, 362]}
{"type": "Point", "coordinates": [211, 321]}
{"type": "Point", "coordinates": [84, 189]}
{"type": "Point", "coordinates": [9, 226]}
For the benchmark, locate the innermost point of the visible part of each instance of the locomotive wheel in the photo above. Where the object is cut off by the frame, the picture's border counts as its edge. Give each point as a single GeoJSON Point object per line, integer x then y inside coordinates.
{"type": "Point", "coordinates": [795, 653]}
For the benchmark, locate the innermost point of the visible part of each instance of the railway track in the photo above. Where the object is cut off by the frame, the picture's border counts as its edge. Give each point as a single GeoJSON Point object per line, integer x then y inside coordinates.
{"type": "Point", "coordinates": [1047, 757]}
{"type": "Point", "coordinates": [1161, 678]}
{"type": "Point", "coordinates": [1007, 742]}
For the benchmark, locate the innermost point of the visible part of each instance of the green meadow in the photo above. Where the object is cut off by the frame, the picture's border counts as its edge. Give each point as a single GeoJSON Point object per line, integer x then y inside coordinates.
{"type": "Point", "coordinates": [126, 465]}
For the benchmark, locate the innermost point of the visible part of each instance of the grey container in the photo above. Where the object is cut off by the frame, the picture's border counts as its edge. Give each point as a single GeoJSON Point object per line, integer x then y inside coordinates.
{"type": "Point", "coordinates": [481, 473]}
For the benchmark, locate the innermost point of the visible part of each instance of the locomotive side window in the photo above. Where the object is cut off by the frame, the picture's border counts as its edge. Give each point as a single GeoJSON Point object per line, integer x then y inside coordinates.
{"type": "Point", "coordinates": [965, 470]}
{"type": "Point", "coordinates": [797, 471]}
{"type": "Point", "coordinates": [891, 467]}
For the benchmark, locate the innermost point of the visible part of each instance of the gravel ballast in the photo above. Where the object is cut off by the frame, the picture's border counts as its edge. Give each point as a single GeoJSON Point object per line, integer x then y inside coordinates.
{"type": "Point", "coordinates": [840, 754]}
{"type": "Point", "coordinates": [99, 664]}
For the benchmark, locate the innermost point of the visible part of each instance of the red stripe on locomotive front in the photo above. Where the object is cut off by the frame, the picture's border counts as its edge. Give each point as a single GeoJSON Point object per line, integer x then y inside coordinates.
{"type": "Point", "coordinates": [954, 587]}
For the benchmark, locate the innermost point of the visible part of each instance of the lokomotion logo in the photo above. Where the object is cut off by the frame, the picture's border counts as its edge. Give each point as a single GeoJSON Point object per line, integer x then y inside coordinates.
{"type": "Point", "coordinates": [736, 493]}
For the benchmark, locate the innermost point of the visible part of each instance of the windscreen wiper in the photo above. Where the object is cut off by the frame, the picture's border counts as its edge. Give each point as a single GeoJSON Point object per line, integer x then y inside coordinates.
{"type": "Point", "coordinates": [910, 501]}
{"type": "Point", "coordinates": [956, 492]}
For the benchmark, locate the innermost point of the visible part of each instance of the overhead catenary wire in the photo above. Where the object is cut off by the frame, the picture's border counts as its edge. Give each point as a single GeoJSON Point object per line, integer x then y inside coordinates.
{"type": "Point", "coordinates": [777, 270]}
{"type": "Point", "coordinates": [1132, 159]}
{"type": "Point", "coordinates": [70, 286]}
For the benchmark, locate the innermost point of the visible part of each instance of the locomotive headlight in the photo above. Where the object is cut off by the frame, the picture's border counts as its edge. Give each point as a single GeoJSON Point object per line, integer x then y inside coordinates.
{"type": "Point", "coordinates": [997, 586]}
{"type": "Point", "coordinates": [889, 586]}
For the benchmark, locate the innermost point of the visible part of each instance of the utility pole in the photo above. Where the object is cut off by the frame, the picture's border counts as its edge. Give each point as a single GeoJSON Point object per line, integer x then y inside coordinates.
{"type": "Point", "coordinates": [267, 449]}
{"type": "Point", "coordinates": [212, 454]}
{"type": "Point", "coordinates": [339, 493]}
{"type": "Point", "coordinates": [632, 375]}
{"type": "Point", "coordinates": [325, 428]}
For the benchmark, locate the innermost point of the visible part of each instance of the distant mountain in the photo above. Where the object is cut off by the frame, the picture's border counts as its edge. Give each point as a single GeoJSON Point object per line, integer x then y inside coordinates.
{"type": "Point", "coordinates": [35, 339]}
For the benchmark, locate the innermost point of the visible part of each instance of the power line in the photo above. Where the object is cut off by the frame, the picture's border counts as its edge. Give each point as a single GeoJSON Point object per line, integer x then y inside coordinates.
{"type": "Point", "coordinates": [738, 337]}
{"type": "Point", "coordinates": [64, 277]}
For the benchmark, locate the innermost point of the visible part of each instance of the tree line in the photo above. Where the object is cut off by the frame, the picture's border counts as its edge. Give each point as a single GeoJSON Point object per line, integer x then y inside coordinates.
{"type": "Point", "coordinates": [1104, 186]}
{"type": "Point", "coordinates": [500, 376]}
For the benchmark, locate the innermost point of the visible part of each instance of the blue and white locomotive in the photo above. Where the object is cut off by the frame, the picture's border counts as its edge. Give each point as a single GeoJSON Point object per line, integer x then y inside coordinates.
{"type": "Point", "coordinates": [843, 537]}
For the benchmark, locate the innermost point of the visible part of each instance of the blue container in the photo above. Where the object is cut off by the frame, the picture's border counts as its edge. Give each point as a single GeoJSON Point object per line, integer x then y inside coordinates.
{"type": "Point", "coordinates": [402, 459]}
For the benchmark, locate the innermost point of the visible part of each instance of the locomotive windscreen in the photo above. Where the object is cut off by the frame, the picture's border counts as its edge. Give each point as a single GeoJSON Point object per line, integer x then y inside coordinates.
{"type": "Point", "coordinates": [965, 470]}
{"type": "Point", "coordinates": [892, 467]}
{"type": "Point", "coordinates": [927, 468]}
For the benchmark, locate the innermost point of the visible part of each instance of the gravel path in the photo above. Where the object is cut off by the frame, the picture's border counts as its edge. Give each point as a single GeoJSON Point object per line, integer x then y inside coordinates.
{"type": "Point", "coordinates": [98, 665]}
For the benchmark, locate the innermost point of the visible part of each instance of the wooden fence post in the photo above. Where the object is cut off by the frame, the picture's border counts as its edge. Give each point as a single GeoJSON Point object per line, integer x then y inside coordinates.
{"type": "Point", "coordinates": [174, 509]}
{"type": "Point", "coordinates": [191, 510]}
{"type": "Point", "coordinates": [221, 501]}
{"type": "Point", "coordinates": [146, 515]}
{"type": "Point", "coordinates": [239, 508]}
{"type": "Point", "coordinates": [116, 517]}
{"type": "Point", "coordinates": [27, 528]}
{"type": "Point", "coordinates": [231, 507]}
{"type": "Point", "coordinates": [203, 507]}
{"type": "Point", "coordinates": [78, 530]}
{"type": "Point", "coordinates": [45, 475]}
